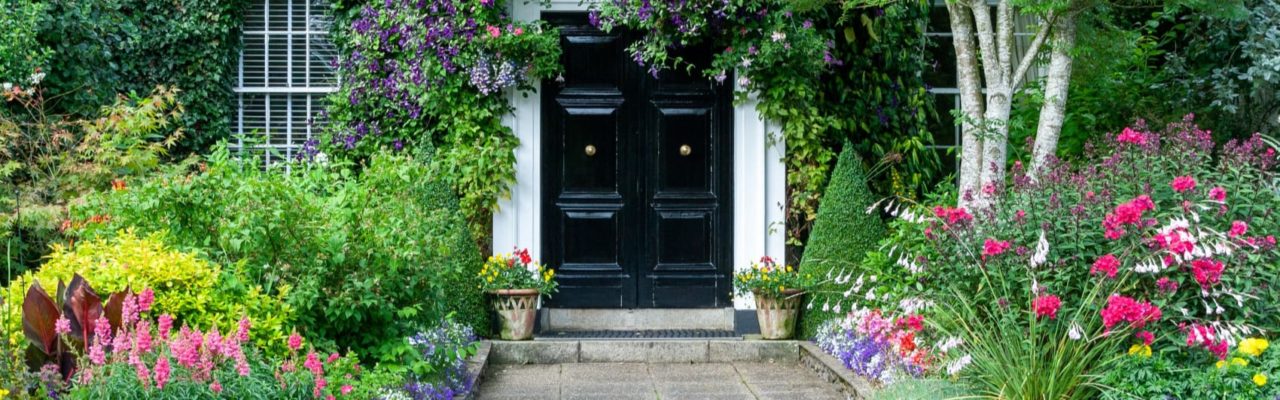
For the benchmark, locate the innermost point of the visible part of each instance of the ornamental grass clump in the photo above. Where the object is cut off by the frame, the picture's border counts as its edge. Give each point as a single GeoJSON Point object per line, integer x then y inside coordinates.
{"type": "Point", "coordinates": [1159, 242]}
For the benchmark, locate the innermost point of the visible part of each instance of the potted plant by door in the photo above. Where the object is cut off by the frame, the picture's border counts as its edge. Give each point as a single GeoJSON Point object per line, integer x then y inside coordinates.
{"type": "Point", "coordinates": [777, 291]}
{"type": "Point", "coordinates": [517, 282]}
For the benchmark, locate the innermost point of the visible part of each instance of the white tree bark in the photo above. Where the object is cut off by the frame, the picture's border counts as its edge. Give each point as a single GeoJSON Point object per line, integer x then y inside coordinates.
{"type": "Point", "coordinates": [971, 104]}
{"type": "Point", "coordinates": [996, 55]}
{"type": "Point", "coordinates": [1057, 80]}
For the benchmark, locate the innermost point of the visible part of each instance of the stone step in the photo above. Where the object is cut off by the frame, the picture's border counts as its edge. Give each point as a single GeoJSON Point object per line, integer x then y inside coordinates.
{"type": "Point", "coordinates": [580, 319]}
{"type": "Point", "coordinates": [643, 351]}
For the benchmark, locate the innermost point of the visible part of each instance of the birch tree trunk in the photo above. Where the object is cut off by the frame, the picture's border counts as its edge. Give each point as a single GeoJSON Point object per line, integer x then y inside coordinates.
{"type": "Point", "coordinates": [1054, 109]}
{"type": "Point", "coordinates": [971, 104]}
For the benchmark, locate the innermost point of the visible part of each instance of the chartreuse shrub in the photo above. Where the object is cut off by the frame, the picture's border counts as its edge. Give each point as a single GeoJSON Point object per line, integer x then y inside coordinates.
{"type": "Point", "coordinates": [186, 286]}
{"type": "Point", "coordinates": [364, 259]}
{"type": "Point", "coordinates": [842, 236]}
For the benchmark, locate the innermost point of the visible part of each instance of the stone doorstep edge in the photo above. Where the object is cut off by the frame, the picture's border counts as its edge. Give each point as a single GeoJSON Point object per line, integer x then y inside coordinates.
{"type": "Point", "coordinates": [475, 368]}
{"type": "Point", "coordinates": [712, 351]}
{"type": "Point", "coordinates": [830, 369]}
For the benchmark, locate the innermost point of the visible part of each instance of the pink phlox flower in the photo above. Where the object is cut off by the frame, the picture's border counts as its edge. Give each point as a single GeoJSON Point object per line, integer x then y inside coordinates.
{"type": "Point", "coordinates": [1183, 184]}
{"type": "Point", "coordinates": [1046, 306]}
{"type": "Point", "coordinates": [1207, 271]}
{"type": "Point", "coordinates": [993, 247]}
{"type": "Point", "coordinates": [1177, 241]}
{"type": "Point", "coordinates": [1167, 285]}
{"type": "Point", "coordinates": [1146, 337]}
{"type": "Point", "coordinates": [953, 216]}
{"type": "Point", "coordinates": [1108, 265]}
{"type": "Point", "coordinates": [1128, 135]}
{"type": "Point", "coordinates": [1218, 194]}
{"type": "Point", "coordinates": [320, 384]}
{"type": "Point", "coordinates": [1124, 309]}
{"type": "Point", "coordinates": [1237, 228]}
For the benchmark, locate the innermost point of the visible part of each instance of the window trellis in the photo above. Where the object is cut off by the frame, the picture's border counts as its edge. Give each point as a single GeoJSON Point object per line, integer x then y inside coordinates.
{"type": "Point", "coordinates": [285, 71]}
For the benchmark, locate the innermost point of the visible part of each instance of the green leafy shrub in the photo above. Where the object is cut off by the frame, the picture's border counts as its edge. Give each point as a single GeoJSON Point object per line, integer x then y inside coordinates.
{"type": "Point", "coordinates": [842, 235]}
{"type": "Point", "coordinates": [104, 47]}
{"type": "Point", "coordinates": [367, 258]}
{"type": "Point", "coordinates": [1246, 374]}
{"type": "Point", "coordinates": [20, 54]}
{"type": "Point", "coordinates": [194, 291]}
{"type": "Point", "coordinates": [48, 160]}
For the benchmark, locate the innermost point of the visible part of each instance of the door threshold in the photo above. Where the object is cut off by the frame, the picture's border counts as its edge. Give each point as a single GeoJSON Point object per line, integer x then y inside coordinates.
{"type": "Point", "coordinates": [640, 334]}
{"type": "Point", "coordinates": [640, 319]}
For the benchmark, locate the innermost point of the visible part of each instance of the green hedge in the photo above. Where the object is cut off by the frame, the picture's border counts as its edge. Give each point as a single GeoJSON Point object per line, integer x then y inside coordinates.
{"type": "Point", "coordinates": [842, 235]}
{"type": "Point", "coordinates": [366, 259]}
{"type": "Point", "coordinates": [102, 48]}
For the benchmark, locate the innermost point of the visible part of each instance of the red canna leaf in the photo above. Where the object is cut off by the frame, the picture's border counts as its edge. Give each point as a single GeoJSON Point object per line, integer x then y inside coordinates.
{"type": "Point", "coordinates": [39, 316]}
{"type": "Point", "coordinates": [83, 307]}
{"type": "Point", "coordinates": [114, 308]}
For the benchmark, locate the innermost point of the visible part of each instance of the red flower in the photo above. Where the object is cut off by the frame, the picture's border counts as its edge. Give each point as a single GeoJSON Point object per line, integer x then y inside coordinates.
{"type": "Point", "coordinates": [1207, 271]}
{"type": "Point", "coordinates": [952, 215]}
{"type": "Point", "coordinates": [1123, 309]}
{"type": "Point", "coordinates": [1046, 306]}
{"type": "Point", "coordinates": [1108, 264]}
{"type": "Point", "coordinates": [1183, 184]}
{"type": "Point", "coordinates": [992, 247]}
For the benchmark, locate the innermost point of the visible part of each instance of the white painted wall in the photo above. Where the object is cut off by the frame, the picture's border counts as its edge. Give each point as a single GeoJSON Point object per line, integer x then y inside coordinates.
{"type": "Point", "coordinates": [759, 186]}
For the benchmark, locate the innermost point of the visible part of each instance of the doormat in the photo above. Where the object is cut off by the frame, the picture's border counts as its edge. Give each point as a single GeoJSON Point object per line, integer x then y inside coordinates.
{"type": "Point", "coordinates": [657, 334]}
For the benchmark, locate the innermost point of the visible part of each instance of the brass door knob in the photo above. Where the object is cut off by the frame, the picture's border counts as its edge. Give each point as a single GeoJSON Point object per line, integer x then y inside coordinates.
{"type": "Point", "coordinates": [590, 150]}
{"type": "Point", "coordinates": [685, 150]}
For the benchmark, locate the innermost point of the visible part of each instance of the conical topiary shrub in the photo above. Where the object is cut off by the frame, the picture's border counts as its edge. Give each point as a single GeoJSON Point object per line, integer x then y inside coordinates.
{"type": "Point", "coordinates": [842, 235]}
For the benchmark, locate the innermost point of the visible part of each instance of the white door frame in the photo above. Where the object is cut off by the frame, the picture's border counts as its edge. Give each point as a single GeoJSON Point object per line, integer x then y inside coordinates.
{"type": "Point", "coordinates": [759, 175]}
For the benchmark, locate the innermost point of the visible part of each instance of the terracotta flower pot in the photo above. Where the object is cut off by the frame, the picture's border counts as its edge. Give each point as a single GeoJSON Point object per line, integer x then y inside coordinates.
{"type": "Point", "coordinates": [778, 315]}
{"type": "Point", "coordinates": [517, 308]}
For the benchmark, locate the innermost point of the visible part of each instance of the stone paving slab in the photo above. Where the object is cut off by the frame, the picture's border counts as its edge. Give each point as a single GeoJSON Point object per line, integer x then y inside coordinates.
{"type": "Point", "coordinates": [626, 381]}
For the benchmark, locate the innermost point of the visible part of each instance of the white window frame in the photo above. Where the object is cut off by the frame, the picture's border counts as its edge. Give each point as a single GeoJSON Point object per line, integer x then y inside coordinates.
{"type": "Point", "coordinates": [294, 136]}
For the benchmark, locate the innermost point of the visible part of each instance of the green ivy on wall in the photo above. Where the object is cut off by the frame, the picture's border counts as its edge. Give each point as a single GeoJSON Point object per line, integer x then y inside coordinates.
{"type": "Point", "coordinates": [101, 48]}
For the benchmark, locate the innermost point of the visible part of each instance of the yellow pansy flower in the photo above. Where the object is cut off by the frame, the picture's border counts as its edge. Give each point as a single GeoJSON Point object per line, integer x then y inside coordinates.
{"type": "Point", "coordinates": [1254, 346]}
{"type": "Point", "coordinates": [1259, 379]}
{"type": "Point", "coordinates": [1239, 361]}
{"type": "Point", "coordinates": [1220, 364]}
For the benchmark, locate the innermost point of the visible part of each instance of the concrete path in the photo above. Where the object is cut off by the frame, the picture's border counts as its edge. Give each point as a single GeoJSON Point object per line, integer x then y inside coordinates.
{"type": "Point", "coordinates": [655, 381]}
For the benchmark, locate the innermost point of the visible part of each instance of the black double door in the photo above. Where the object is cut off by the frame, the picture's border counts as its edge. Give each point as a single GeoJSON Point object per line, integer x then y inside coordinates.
{"type": "Point", "coordinates": [636, 178]}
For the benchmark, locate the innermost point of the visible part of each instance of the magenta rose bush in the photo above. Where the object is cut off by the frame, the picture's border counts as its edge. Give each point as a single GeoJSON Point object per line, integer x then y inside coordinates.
{"type": "Point", "coordinates": [1159, 240]}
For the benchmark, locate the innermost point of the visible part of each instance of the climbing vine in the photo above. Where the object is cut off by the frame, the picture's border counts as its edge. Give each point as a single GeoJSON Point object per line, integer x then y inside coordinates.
{"type": "Point", "coordinates": [432, 76]}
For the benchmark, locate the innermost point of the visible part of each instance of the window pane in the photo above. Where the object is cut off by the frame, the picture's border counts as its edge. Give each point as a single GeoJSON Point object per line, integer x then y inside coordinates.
{"type": "Point", "coordinates": [944, 128]}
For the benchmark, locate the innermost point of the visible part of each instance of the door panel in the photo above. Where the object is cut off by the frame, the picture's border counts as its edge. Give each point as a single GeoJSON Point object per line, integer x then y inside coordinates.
{"type": "Point", "coordinates": [635, 178]}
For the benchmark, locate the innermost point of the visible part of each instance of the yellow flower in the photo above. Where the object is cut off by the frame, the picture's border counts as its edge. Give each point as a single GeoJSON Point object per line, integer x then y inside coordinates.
{"type": "Point", "coordinates": [788, 268]}
{"type": "Point", "coordinates": [1220, 364]}
{"type": "Point", "coordinates": [1259, 379]}
{"type": "Point", "coordinates": [1239, 361]}
{"type": "Point", "coordinates": [1254, 346]}
{"type": "Point", "coordinates": [1140, 350]}
{"type": "Point", "coordinates": [780, 288]}
{"type": "Point", "coordinates": [4, 393]}
{"type": "Point", "coordinates": [490, 279]}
